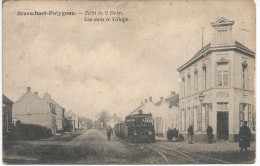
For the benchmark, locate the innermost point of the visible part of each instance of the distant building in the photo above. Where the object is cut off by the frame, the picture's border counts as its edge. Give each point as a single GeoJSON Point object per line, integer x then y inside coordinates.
{"type": "Point", "coordinates": [31, 109]}
{"type": "Point", "coordinates": [166, 115]}
{"type": "Point", "coordinates": [74, 119]}
{"type": "Point", "coordinates": [7, 114]}
{"type": "Point", "coordinates": [147, 107]}
{"type": "Point", "coordinates": [56, 108]}
{"type": "Point", "coordinates": [217, 86]}
{"type": "Point", "coordinates": [114, 120]}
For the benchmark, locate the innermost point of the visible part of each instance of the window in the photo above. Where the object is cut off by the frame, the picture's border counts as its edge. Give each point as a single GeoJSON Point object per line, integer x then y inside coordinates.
{"type": "Point", "coordinates": [245, 114]}
{"type": "Point", "coordinates": [189, 85]}
{"type": "Point", "coordinates": [183, 86]}
{"type": "Point", "coordinates": [244, 76]}
{"type": "Point", "coordinates": [199, 119]}
{"type": "Point", "coordinates": [183, 119]}
{"type": "Point", "coordinates": [253, 117]}
{"type": "Point", "coordinates": [196, 81]}
{"type": "Point", "coordinates": [204, 69]}
{"type": "Point", "coordinates": [207, 107]}
{"type": "Point", "coordinates": [192, 116]}
{"type": "Point", "coordinates": [222, 77]}
{"type": "Point", "coordinates": [188, 116]}
{"type": "Point", "coordinates": [222, 37]}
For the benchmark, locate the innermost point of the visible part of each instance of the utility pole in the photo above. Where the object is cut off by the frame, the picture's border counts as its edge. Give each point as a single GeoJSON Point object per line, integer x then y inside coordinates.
{"type": "Point", "coordinates": [202, 37]}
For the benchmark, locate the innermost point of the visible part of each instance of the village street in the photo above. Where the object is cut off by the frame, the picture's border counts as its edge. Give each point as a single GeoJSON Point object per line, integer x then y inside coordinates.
{"type": "Point", "coordinates": [92, 147]}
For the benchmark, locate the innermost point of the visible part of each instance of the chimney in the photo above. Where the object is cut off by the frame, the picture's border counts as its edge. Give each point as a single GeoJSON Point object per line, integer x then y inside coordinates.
{"type": "Point", "coordinates": [172, 93]}
{"type": "Point", "coordinates": [150, 99]}
{"type": "Point", "coordinates": [36, 93]}
{"type": "Point", "coordinates": [145, 100]}
{"type": "Point", "coordinates": [161, 98]}
{"type": "Point", "coordinates": [28, 89]}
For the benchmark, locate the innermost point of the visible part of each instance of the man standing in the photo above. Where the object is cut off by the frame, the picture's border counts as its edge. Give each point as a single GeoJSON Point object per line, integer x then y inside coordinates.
{"type": "Point", "coordinates": [190, 133]}
{"type": "Point", "coordinates": [109, 132]}
{"type": "Point", "coordinates": [244, 138]}
{"type": "Point", "coordinates": [210, 134]}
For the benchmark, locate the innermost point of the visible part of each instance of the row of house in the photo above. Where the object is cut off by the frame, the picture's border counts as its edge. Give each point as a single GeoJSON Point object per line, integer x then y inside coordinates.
{"type": "Point", "coordinates": [43, 111]}
{"type": "Point", "coordinates": [217, 88]}
{"type": "Point", "coordinates": [164, 111]}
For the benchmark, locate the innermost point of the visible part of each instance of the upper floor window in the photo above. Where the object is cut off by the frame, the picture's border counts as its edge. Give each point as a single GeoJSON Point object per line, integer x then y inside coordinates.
{"type": "Point", "coordinates": [244, 75]}
{"type": "Point", "coordinates": [183, 86]}
{"type": "Point", "coordinates": [196, 81]}
{"type": "Point", "coordinates": [204, 69]}
{"type": "Point", "coordinates": [222, 74]}
{"type": "Point", "coordinates": [189, 85]}
{"type": "Point", "coordinates": [222, 36]}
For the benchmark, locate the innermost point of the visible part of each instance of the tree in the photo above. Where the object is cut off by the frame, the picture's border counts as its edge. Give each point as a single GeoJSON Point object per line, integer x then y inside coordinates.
{"type": "Point", "coordinates": [104, 118]}
{"type": "Point", "coordinates": [86, 122]}
{"type": "Point", "coordinates": [97, 124]}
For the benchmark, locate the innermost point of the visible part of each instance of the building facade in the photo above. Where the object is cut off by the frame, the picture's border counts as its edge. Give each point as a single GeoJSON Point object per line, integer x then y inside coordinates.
{"type": "Point", "coordinates": [73, 118]}
{"type": "Point", "coordinates": [165, 116]}
{"type": "Point", "coordinates": [7, 114]}
{"type": "Point", "coordinates": [31, 109]}
{"type": "Point", "coordinates": [217, 87]}
{"type": "Point", "coordinates": [59, 110]}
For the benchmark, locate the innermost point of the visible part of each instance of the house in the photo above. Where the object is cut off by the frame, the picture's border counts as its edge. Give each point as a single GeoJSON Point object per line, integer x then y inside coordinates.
{"type": "Point", "coordinates": [74, 119]}
{"type": "Point", "coordinates": [31, 109]}
{"type": "Point", "coordinates": [217, 86]}
{"type": "Point", "coordinates": [56, 108]}
{"type": "Point", "coordinates": [147, 107]}
{"type": "Point", "coordinates": [166, 115]}
{"type": "Point", "coordinates": [7, 114]}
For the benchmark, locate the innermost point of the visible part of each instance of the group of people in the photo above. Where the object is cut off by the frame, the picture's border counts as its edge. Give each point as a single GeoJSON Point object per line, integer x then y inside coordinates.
{"type": "Point", "coordinates": [245, 136]}
{"type": "Point", "coordinates": [209, 131]}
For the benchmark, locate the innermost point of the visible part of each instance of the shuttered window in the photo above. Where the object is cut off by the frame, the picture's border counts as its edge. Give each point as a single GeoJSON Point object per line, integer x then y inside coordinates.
{"type": "Point", "coordinates": [206, 115]}
{"type": "Point", "coordinates": [253, 118]}
{"type": "Point", "coordinates": [199, 118]}
{"type": "Point", "coordinates": [192, 115]}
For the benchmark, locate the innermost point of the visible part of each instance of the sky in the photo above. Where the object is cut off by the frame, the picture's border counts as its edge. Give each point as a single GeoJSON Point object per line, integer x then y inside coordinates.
{"type": "Point", "coordinates": [93, 66]}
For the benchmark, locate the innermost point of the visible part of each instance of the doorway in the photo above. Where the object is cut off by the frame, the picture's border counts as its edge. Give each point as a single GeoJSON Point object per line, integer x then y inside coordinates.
{"type": "Point", "coordinates": [222, 125]}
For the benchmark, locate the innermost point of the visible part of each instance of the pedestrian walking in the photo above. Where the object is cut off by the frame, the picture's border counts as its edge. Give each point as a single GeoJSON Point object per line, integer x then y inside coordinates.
{"type": "Point", "coordinates": [244, 138]}
{"type": "Point", "coordinates": [190, 134]}
{"type": "Point", "coordinates": [109, 132]}
{"type": "Point", "coordinates": [210, 134]}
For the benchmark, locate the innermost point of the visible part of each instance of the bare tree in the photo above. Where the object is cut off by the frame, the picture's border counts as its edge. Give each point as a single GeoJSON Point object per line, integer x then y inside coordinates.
{"type": "Point", "coordinates": [104, 118]}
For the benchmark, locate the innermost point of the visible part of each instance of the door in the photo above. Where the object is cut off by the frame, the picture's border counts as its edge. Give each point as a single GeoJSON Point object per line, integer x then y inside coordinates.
{"type": "Point", "coordinates": [222, 125]}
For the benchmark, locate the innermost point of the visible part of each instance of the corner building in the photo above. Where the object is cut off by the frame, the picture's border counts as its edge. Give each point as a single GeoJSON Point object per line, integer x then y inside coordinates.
{"type": "Point", "coordinates": [217, 87]}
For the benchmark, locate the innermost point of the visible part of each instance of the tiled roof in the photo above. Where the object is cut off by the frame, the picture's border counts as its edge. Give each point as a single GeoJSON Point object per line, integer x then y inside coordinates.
{"type": "Point", "coordinates": [173, 101]}
{"type": "Point", "coordinates": [136, 109]}
{"type": "Point", "coordinates": [238, 44]}
{"type": "Point", "coordinates": [208, 47]}
{"type": "Point", "coordinates": [6, 99]}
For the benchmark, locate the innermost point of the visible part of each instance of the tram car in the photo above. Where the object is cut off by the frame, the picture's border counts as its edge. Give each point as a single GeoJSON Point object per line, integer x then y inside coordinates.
{"type": "Point", "coordinates": [137, 128]}
{"type": "Point", "coordinates": [120, 129]}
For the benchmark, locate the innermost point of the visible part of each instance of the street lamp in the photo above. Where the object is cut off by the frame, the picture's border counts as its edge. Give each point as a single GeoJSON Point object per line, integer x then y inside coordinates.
{"type": "Point", "coordinates": [201, 97]}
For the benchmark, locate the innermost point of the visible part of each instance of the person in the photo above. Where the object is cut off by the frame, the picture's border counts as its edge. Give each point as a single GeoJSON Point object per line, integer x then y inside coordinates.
{"type": "Point", "coordinates": [109, 132]}
{"type": "Point", "coordinates": [244, 138]}
{"type": "Point", "coordinates": [190, 134]}
{"type": "Point", "coordinates": [210, 134]}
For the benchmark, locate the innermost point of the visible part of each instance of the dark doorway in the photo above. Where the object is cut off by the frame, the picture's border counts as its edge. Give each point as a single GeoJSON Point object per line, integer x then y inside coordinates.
{"type": "Point", "coordinates": [222, 125]}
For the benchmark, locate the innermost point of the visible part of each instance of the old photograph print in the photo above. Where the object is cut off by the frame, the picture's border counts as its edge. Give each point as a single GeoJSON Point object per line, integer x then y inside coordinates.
{"type": "Point", "coordinates": [129, 82]}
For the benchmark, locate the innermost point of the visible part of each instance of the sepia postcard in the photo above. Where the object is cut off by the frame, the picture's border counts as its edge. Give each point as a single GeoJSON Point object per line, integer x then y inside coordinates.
{"type": "Point", "coordinates": [129, 82]}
